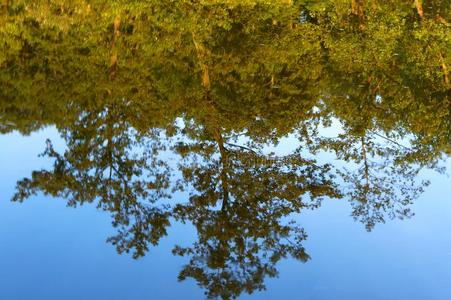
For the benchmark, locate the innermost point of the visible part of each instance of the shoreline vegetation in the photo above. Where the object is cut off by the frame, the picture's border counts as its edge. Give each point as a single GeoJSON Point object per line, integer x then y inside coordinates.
{"type": "Point", "coordinates": [214, 83]}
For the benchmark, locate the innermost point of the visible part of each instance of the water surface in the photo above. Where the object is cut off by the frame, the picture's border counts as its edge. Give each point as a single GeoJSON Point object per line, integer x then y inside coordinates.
{"type": "Point", "coordinates": [224, 149]}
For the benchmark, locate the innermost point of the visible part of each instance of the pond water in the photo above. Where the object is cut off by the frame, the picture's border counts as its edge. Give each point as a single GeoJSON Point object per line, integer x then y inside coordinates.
{"type": "Point", "coordinates": [224, 149]}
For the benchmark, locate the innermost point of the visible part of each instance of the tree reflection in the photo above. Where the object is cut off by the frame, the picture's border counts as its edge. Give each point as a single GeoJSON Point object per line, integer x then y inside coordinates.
{"type": "Point", "coordinates": [240, 203]}
{"type": "Point", "coordinates": [212, 85]}
{"type": "Point", "coordinates": [109, 163]}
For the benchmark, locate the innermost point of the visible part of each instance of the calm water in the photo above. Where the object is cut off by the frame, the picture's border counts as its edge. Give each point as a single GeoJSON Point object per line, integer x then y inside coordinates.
{"type": "Point", "coordinates": [224, 149]}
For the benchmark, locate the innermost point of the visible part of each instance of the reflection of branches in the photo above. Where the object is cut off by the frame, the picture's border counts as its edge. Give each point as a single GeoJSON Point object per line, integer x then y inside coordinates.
{"type": "Point", "coordinates": [242, 147]}
{"type": "Point", "coordinates": [236, 250]}
{"type": "Point", "coordinates": [381, 187]}
{"type": "Point", "coordinates": [241, 237]}
{"type": "Point", "coordinates": [390, 140]}
{"type": "Point", "coordinates": [98, 167]}
{"type": "Point", "coordinates": [226, 269]}
{"type": "Point", "coordinates": [258, 81]}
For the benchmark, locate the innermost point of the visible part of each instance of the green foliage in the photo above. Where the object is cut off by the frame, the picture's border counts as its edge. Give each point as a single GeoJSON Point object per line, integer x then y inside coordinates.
{"type": "Point", "coordinates": [125, 80]}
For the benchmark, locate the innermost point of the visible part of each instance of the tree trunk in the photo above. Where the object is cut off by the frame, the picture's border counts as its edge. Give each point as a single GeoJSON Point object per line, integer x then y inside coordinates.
{"type": "Point", "coordinates": [366, 169]}
{"type": "Point", "coordinates": [201, 54]}
{"type": "Point", "coordinates": [445, 70]}
{"type": "Point", "coordinates": [224, 170]}
{"type": "Point", "coordinates": [419, 6]}
{"type": "Point", "coordinates": [114, 56]}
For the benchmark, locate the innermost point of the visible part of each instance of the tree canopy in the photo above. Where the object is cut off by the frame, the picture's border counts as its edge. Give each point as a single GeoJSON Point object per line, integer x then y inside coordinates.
{"type": "Point", "coordinates": [215, 83]}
